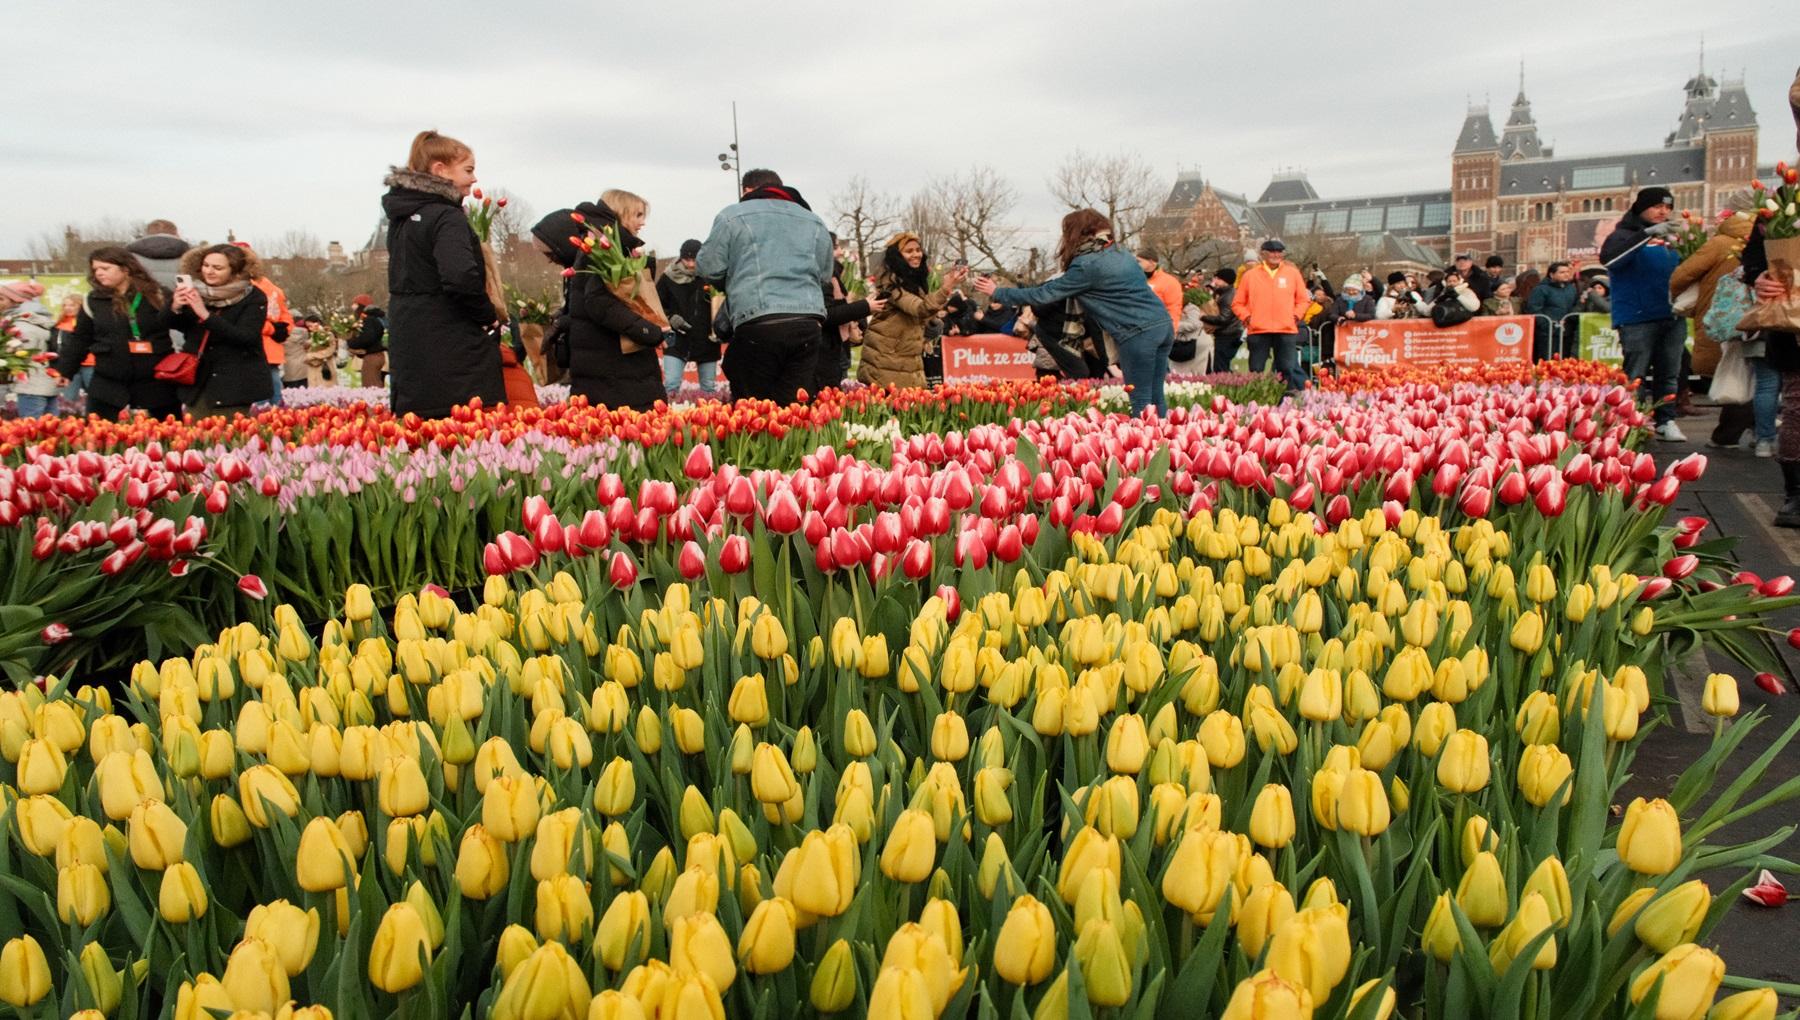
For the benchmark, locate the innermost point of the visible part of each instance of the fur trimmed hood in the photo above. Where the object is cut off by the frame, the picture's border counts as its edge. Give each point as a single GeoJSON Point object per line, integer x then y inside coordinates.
{"type": "Point", "coordinates": [414, 180]}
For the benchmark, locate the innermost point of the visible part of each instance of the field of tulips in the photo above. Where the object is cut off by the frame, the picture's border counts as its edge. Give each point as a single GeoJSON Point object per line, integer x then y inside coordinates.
{"type": "Point", "coordinates": [1016, 708]}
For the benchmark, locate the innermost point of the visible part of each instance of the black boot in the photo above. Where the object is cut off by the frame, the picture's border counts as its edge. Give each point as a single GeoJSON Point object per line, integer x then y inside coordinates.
{"type": "Point", "coordinates": [1789, 514]}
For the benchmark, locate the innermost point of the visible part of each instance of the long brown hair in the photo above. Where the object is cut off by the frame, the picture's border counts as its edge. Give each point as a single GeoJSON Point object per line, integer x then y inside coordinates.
{"type": "Point", "coordinates": [429, 147]}
{"type": "Point", "coordinates": [1077, 227]}
{"type": "Point", "coordinates": [137, 278]}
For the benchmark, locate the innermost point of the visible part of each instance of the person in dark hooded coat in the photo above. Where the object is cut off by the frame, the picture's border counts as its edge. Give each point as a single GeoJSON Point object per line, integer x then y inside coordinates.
{"type": "Point", "coordinates": [610, 348]}
{"type": "Point", "coordinates": [442, 346]}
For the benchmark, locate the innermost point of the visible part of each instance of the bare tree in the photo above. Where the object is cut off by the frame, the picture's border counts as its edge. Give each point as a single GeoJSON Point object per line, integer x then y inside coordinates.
{"type": "Point", "coordinates": [970, 216]}
{"type": "Point", "coordinates": [1187, 248]}
{"type": "Point", "coordinates": [864, 218]}
{"type": "Point", "coordinates": [66, 251]}
{"type": "Point", "coordinates": [292, 244]}
{"type": "Point", "coordinates": [1123, 186]}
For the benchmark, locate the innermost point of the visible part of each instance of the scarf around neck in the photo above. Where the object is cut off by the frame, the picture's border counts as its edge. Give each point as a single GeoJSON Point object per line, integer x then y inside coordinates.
{"type": "Point", "coordinates": [224, 294]}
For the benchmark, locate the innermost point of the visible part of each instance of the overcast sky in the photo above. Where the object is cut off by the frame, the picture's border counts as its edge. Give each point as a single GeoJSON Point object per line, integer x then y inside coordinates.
{"type": "Point", "coordinates": [263, 117]}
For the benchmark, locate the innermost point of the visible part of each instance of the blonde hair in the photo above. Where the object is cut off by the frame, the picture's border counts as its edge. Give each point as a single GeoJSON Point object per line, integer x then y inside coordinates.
{"type": "Point", "coordinates": [429, 147]}
{"type": "Point", "coordinates": [621, 201]}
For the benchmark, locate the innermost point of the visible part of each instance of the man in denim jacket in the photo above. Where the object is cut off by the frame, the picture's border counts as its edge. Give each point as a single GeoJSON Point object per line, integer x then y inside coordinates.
{"type": "Point", "coordinates": [771, 254]}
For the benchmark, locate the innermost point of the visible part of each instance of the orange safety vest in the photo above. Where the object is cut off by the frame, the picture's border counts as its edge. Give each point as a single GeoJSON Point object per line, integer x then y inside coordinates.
{"type": "Point", "coordinates": [278, 312]}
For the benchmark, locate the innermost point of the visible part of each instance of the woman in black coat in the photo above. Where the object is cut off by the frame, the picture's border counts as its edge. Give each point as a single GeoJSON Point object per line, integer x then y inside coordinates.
{"type": "Point", "coordinates": [221, 314]}
{"type": "Point", "coordinates": [611, 348]}
{"type": "Point", "coordinates": [124, 323]}
{"type": "Point", "coordinates": [443, 348]}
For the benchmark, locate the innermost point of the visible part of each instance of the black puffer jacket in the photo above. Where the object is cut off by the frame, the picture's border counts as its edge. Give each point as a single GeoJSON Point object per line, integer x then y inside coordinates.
{"type": "Point", "coordinates": [123, 377]}
{"type": "Point", "coordinates": [233, 370]}
{"type": "Point", "coordinates": [440, 351]}
{"type": "Point", "coordinates": [600, 322]}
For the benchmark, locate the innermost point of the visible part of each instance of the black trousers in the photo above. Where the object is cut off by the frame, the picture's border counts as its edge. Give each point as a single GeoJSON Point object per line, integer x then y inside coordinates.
{"type": "Point", "coordinates": [772, 358]}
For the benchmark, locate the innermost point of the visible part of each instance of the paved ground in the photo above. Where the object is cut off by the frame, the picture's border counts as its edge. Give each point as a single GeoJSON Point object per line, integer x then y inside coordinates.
{"type": "Point", "coordinates": [1739, 494]}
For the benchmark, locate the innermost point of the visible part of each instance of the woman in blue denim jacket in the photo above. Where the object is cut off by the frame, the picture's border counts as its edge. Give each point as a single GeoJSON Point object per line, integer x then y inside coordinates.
{"type": "Point", "coordinates": [1114, 296]}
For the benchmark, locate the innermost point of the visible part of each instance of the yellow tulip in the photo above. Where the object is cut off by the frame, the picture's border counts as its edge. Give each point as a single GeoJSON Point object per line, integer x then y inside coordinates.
{"type": "Point", "coordinates": [158, 837]}
{"type": "Point", "coordinates": [324, 861]}
{"type": "Point", "coordinates": [1089, 849]}
{"type": "Point", "coordinates": [1272, 817]}
{"type": "Point", "coordinates": [1532, 919]}
{"type": "Point", "coordinates": [1464, 765]}
{"type": "Point", "coordinates": [292, 932]}
{"type": "Point", "coordinates": [1650, 837]}
{"type": "Point", "coordinates": [125, 778]}
{"type": "Point", "coordinates": [1528, 632]}
{"type": "Point", "coordinates": [182, 896]}
{"type": "Point", "coordinates": [564, 909]}
{"type": "Point", "coordinates": [1105, 965]}
{"type": "Point", "coordinates": [1025, 951]}
{"type": "Point", "coordinates": [1674, 917]}
{"type": "Point", "coordinates": [833, 985]}
{"type": "Point", "coordinates": [41, 767]}
{"type": "Point", "coordinates": [262, 788]}
{"type": "Point", "coordinates": [766, 945]}
{"type": "Point", "coordinates": [24, 972]}
{"type": "Point", "coordinates": [400, 951]}
{"type": "Point", "coordinates": [911, 848]}
{"type": "Point", "coordinates": [831, 867]}
{"type": "Point", "coordinates": [1263, 911]}
{"type": "Point", "coordinates": [1199, 873]}
{"type": "Point", "coordinates": [1550, 881]}
{"type": "Point", "coordinates": [1362, 804]}
{"type": "Point", "coordinates": [1689, 976]}
{"type": "Point", "coordinates": [229, 826]}
{"type": "Point", "coordinates": [1222, 736]}
{"type": "Point", "coordinates": [1721, 698]}
{"type": "Point", "coordinates": [510, 808]}
{"type": "Point", "coordinates": [1756, 1004]}
{"type": "Point", "coordinates": [1629, 908]}
{"type": "Point", "coordinates": [82, 895]}
{"type": "Point", "coordinates": [254, 977]}
{"type": "Point", "coordinates": [482, 865]}
{"type": "Point", "coordinates": [1127, 745]}
{"type": "Point", "coordinates": [1441, 937]}
{"type": "Point", "coordinates": [1482, 892]}
{"type": "Point", "coordinates": [1538, 721]}
{"type": "Point", "coordinates": [772, 778]}
{"type": "Point", "coordinates": [1312, 949]}
{"type": "Point", "coordinates": [749, 702]}
{"type": "Point", "coordinates": [103, 980]}
{"type": "Point", "coordinates": [1266, 995]}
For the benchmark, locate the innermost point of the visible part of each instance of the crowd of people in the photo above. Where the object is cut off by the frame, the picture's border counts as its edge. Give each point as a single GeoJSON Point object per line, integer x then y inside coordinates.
{"type": "Point", "coordinates": [769, 298]}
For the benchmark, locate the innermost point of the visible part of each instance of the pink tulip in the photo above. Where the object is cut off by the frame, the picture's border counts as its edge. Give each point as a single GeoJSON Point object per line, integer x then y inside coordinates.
{"type": "Point", "coordinates": [253, 586]}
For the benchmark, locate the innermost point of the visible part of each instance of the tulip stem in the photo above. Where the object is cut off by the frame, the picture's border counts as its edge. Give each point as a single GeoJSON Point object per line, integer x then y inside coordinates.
{"type": "Point", "coordinates": [1780, 987]}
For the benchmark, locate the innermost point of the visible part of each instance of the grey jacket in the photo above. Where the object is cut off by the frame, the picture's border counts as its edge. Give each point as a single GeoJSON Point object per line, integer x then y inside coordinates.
{"type": "Point", "coordinates": [771, 257]}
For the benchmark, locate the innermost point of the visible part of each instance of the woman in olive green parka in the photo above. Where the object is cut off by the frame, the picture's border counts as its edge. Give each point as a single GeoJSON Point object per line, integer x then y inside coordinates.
{"type": "Point", "coordinates": [894, 343]}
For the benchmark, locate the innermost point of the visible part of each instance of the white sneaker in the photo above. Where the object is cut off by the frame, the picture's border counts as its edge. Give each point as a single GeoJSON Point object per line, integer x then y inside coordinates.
{"type": "Point", "coordinates": [1765, 447]}
{"type": "Point", "coordinates": [1669, 432]}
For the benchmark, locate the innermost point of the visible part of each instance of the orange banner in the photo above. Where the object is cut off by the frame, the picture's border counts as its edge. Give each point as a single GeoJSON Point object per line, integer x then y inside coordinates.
{"type": "Point", "coordinates": [1489, 339]}
{"type": "Point", "coordinates": [987, 357]}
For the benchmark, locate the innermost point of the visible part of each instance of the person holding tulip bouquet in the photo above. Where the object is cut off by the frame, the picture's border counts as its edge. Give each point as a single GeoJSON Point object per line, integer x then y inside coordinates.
{"type": "Point", "coordinates": [1115, 296]}
{"type": "Point", "coordinates": [610, 347]}
{"type": "Point", "coordinates": [442, 321]}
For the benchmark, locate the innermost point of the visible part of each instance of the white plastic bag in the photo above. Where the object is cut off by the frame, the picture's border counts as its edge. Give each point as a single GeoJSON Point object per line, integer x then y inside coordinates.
{"type": "Point", "coordinates": [1732, 382]}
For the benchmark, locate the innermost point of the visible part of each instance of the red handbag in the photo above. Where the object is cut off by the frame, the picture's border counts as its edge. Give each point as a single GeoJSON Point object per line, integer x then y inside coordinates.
{"type": "Point", "coordinates": [180, 367]}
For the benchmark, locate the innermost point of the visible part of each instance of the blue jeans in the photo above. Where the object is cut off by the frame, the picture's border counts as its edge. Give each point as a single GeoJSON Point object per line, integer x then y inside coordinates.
{"type": "Point", "coordinates": [1144, 360]}
{"type": "Point", "coordinates": [33, 406]}
{"type": "Point", "coordinates": [1653, 353]}
{"type": "Point", "coordinates": [275, 382]}
{"type": "Point", "coordinates": [1287, 356]}
{"type": "Point", "coordinates": [84, 377]}
{"type": "Point", "coordinates": [673, 366]}
{"type": "Point", "coordinates": [1767, 398]}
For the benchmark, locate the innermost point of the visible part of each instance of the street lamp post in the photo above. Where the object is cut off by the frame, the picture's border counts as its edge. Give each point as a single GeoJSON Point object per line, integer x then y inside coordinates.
{"type": "Point", "coordinates": [732, 162]}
